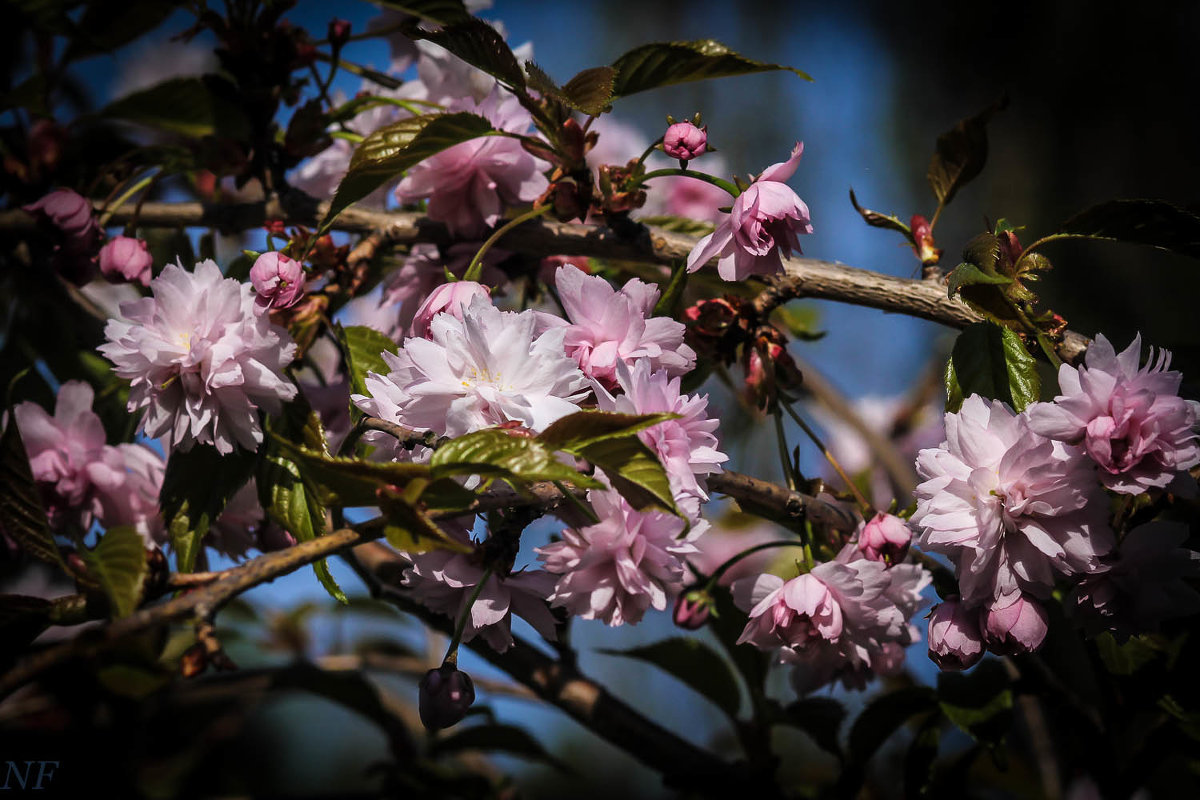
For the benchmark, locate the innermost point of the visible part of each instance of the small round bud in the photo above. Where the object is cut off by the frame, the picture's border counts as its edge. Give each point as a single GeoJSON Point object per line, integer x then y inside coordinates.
{"type": "Point", "coordinates": [339, 31]}
{"type": "Point", "coordinates": [685, 141]}
{"type": "Point", "coordinates": [692, 609]}
{"type": "Point", "coordinates": [1019, 627]}
{"type": "Point", "coordinates": [126, 259]}
{"type": "Point", "coordinates": [278, 280]}
{"type": "Point", "coordinates": [954, 640]}
{"type": "Point", "coordinates": [449, 298]}
{"type": "Point", "coordinates": [885, 538]}
{"type": "Point", "coordinates": [445, 695]}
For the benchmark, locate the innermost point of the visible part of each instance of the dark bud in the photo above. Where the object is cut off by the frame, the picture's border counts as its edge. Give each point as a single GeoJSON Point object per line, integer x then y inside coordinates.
{"type": "Point", "coordinates": [445, 695]}
{"type": "Point", "coordinates": [339, 31]}
{"type": "Point", "coordinates": [193, 661]}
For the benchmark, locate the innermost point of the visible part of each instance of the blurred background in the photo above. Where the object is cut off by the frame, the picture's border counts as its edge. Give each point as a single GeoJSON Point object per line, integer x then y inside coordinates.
{"type": "Point", "coordinates": [1104, 104]}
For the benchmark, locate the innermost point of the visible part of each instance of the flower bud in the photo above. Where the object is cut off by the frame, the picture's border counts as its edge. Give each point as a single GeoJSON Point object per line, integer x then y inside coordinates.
{"type": "Point", "coordinates": [1019, 627]}
{"type": "Point", "coordinates": [685, 141]}
{"type": "Point", "coordinates": [339, 31]}
{"type": "Point", "coordinates": [278, 280]}
{"type": "Point", "coordinates": [954, 639]}
{"type": "Point", "coordinates": [445, 695]}
{"type": "Point", "coordinates": [885, 538]}
{"type": "Point", "coordinates": [923, 236]}
{"type": "Point", "coordinates": [126, 259]}
{"type": "Point", "coordinates": [692, 609]}
{"type": "Point", "coordinates": [69, 211]}
{"type": "Point", "coordinates": [449, 298]}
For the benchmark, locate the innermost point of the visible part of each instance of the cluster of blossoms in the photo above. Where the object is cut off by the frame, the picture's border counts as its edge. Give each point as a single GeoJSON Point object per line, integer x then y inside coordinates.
{"type": "Point", "coordinates": [1016, 501]}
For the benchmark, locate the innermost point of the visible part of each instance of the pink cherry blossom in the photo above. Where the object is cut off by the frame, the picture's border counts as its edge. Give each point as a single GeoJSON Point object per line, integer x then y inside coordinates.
{"type": "Point", "coordinates": [443, 581]}
{"type": "Point", "coordinates": [763, 223]}
{"type": "Point", "coordinates": [488, 368]}
{"type": "Point", "coordinates": [1131, 421]}
{"type": "Point", "coordinates": [607, 326]}
{"type": "Point", "coordinates": [1009, 507]}
{"type": "Point", "coordinates": [201, 359]}
{"type": "Point", "coordinates": [1015, 627]}
{"type": "Point", "coordinates": [128, 479]}
{"type": "Point", "coordinates": [126, 258]}
{"type": "Point", "coordinates": [955, 641]}
{"type": "Point", "coordinates": [61, 448]}
{"type": "Point", "coordinates": [885, 537]}
{"type": "Point", "coordinates": [278, 280]}
{"type": "Point", "coordinates": [470, 184]}
{"type": "Point", "coordinates": [686, 446]}
{"type": "Point", "coordinates": [449, 298]}
{"type": "Point", "coordinates": [79, 235]}
{"type": "Point", "coordinates": [627, 563]}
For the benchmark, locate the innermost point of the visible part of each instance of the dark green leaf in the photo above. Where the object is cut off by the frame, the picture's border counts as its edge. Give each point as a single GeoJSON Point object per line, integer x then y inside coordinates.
{"type": "Point", "coordinates": [478, 43]}
{"type": "Point", "coordinates": [967, 274]}
{"type": "Point", "coordinates": [694, 664]}
{"type": "Point", "coordinates": [634, 471]}
{"type": "Point", "coordinates": [118, 562]}
{"type": "Point", "coordinates": [992, 361]}
{"type": "Point", "coordinates": [665, 63]}
{"type": "Point", "coordinates": [576, 431]}
{"type": "Point", "coordinates": [22, 619]}
{"type": "Point", "coordinates": [984, 252]}
{"type": "Point", "coordinates": [1128, 657]}
{"type": "Point", "coordinates": [443, 12]}
{"type": "Point", "coordinates": [877, 220]}
{"type": "Point", "coordinates": [392, 149]}
{"type": "Point", "coordinates": [684, 225]}
{"type": "Point", "coordinates": [197, 485]}
{"type": "Point", "coordinates": [821, 718]}
{"type": "Point", "coordinates": [204, 106]}
{"type": "Point", "coordinates": [22, 517]}
{"type": "Point", "coordinates": [363, 349]}
{"type": "Point", "coordinates": [918, 763]}
{"type": "Point", "coordinates": [496, 453]}
{"type": "Point", "coordinates": [590, 91]}
{"type": "Point", "coordinates": [539, 81]}
{"type": "Point", "coordinates": [500, 738]}
{"type": "Point", "coordinates": [979, 702]}
{"type": "Point", "coordinates": [672, 296]}
{"type": "Point", "coordinates": [105, 26]}
{"type": "Point", "coordinates": [801, 321]}
{"type": "Point", "coordinates": [132, 680]}
{"type": "Point", "coordinates": [961, 153]}
{"type": "Point", "coordinates": [884, 716]}
{"type": "Point", "coordinates": [727, 622]}
{"type": "Point", "coordinates": [348, 481]}
{"type": "Point", "coordinates": [1151, 222]}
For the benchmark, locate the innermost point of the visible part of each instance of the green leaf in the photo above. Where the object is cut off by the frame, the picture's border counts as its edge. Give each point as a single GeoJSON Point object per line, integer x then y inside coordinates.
{"type": "Point", "coordinates": [666, 63]}
{"type": "Point", "coordinates": [1128, 657]}
{"type": "Point", "coordinates": [118, 562]}
{"type": "Point", "coordinates": [801, 321]}
{"type": "Point", "coordinates": [21, 514]}
{"type": "Point", "coordinates": [877, 220]}
{"type": "Point", "coordinates": [590, 91]}
{"type": "Point", "coordinates": [443, 12]}
{"type": "Point", "coordinates": [991, 361]}
{"type": "Point", "coordinates": [196, 487]}
{"type": "Point", "coordinates": [348, 481]}
{"type": "Point", "coordinates": [883, 716]}
{"type": "Point", "coordinates": [961, 153]}
{"type": "Point", "coordinates": [633, 470]}
{"type": "Point", "coordinates": [695, 665]}
{"type": "Point", "coordinates": [288, 500]}
{"type": "Point", "coordinates": [821, 718]}
{"type": "Point", "coordinates": [1150, 222]}
{"type": "Point", "coordinates": [392, 149]}
{"type": "Point", "coordinates": [197, 107]}
{"type": "Point", "coordinates": [684, 225]}
{"type": "Point", "coordinates": [500, 738]}
{"type": "Point", "coordinates": [363, 349]}
{"type": "Point", "coordinates": [583, 428]}
{"type": "Point", "coordinates": [495, 453]}
{"type": "Point", "coordinates": [480, 45]}
{"type": "Point", "coordinates": [106, 26]}
{"type": "Point", "coordinates": [967, 274]}
{"type": "Point", "coordinates": [979, 702]}
{"type": "Point", "coordinates": [672, 296]}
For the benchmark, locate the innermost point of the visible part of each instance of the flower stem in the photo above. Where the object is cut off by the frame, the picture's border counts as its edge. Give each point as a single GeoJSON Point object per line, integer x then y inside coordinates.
{"type": "Point", "coordinates": [476, 267]}
{"type": "Point", "coordinates": [687, 173]}
{"type": "Point", "coordinates": [721, 570]}
{"type": "Point", "coordinates": [833, 462]}
{"type": "Point", "coordinates": [461, 625]}
{"type": "Point", "coordinates": [124, 197]}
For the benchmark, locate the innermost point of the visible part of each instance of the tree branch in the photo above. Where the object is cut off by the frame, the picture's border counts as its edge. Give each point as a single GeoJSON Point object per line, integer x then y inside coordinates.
{"type": "Point", "coordinates": [805, 277]}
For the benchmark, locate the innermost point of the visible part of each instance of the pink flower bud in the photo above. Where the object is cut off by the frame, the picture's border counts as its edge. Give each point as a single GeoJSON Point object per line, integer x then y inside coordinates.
{"type": "Point", "coordinates": [339, 31]}
{"type": "Point", "coordinates": [685, 141]}
{"type": "Point", "coordinates": [126, 258]}
{"type": "Point", "coordinates": [885, 538]}
{"type": "Point", "coordinates": [278, 280]}
{"type": "Point", "coordinates": [692, 609]}
{"type": "Point", "coordinates": [923, 236]}
{"type": "Point", "coordinates": [449, 298]}
{"type": "Point", "coordinates": [1019, 627]}
{"type": "Point", "coordinates": [69, 211]}
{"type": "Point", "coordinates": [954, 639]}
{"type": "Point", "coordinates": [445, 695]}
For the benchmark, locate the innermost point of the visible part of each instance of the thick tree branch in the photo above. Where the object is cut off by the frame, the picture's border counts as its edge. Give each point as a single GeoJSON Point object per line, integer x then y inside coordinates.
{"type": "Point", "coordinates": [805, 277]}
{"type": "Point", "coordinates": [778, 503]}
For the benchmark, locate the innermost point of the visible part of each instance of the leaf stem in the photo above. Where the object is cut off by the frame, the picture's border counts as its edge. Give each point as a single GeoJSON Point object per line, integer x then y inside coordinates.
{"type": "Point", "coordinates": [687, 173]}
{"type": "Point", "coordinates": [728, 563]}
{"type": "Point", "coordinates": [124, 198]}
{"type": "Point", "coordinates": [867, 508]}
{"type": "Point", "coordinates": [476, 267]}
